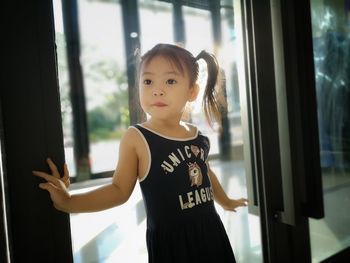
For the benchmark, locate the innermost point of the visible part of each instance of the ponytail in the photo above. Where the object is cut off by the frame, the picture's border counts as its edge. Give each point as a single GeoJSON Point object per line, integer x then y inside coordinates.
{"type": "Point", "coordinates": [213, 102]}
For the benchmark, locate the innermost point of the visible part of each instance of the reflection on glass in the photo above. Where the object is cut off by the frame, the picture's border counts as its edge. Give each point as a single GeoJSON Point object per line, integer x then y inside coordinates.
{"type": "Point", "coordinates": [331, 41]}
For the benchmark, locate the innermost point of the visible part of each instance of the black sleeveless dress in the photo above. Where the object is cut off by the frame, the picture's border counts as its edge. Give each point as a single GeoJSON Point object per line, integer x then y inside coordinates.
{"type": "Point", "coordinates": [182, 223]}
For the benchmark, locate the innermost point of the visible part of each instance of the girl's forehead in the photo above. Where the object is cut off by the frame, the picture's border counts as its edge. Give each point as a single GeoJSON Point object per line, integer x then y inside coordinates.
{"type": "Point", "coordinates": [164, 61]}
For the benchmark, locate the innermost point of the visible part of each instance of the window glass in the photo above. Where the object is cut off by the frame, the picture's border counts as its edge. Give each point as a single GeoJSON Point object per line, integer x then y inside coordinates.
{"type": "Point", "coordinates": [105, 81]}
{"type": "Point", "coordinates": [229, 60]}
{"type": "Point", "coordinates": [331, 44]}
{"type": "Point", "coordinates": [152, 14]}
{"type": "Point", "coordinates": [63, 80]}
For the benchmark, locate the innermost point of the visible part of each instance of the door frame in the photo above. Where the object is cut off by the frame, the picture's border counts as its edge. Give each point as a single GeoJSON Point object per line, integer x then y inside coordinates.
{"type": "Point", "coordinates": [283, 127]}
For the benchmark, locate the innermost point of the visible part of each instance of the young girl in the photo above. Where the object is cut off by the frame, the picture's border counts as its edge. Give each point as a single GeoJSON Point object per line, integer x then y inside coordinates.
{"type": "Point", "coordinates": [169, 159]}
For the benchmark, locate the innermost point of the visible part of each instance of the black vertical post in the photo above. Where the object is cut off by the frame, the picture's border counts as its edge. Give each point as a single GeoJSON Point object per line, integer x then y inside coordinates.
{"type": "Point", "coordinates": [31, 131]}
{"type": "Point", "coordinates": [132, 52]}
{"type": "Point", "coordinates": [216, 22]}
{"type": "Point", "coordinates": [77, 94]}
{"type": "Point", "coordinates": [178, 23]}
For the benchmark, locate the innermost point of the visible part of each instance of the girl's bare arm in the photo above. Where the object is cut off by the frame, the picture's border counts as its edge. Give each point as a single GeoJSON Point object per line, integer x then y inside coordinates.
{"type": "Point", "coordinates": [116, 193]}
{"type": "Point", "coordinates": [221, 197]}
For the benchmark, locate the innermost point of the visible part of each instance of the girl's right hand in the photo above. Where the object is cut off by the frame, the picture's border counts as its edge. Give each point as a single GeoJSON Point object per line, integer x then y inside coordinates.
{"type": "Point", "coordinates": [56, 186]}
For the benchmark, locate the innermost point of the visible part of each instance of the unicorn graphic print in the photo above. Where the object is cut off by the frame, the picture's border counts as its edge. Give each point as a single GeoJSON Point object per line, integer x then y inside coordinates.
{"type": "Point", "coordinates": [195, 174]}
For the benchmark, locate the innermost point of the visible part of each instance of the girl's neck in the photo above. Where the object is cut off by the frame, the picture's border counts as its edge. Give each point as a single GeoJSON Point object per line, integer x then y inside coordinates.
{"type": "Point", "coordinates": [173, 129]}
{"type": "Point", "coordinates": [161, 124]}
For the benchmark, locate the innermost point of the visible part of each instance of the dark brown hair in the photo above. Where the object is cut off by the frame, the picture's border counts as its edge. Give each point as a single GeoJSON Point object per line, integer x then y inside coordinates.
{"type": "Point", "coordinates": [184, 60]}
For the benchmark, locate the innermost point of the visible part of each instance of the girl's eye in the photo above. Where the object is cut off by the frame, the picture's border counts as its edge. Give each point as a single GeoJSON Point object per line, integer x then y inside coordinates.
{"type": "Point", "coordinates": [147, 82]}
{"type": "Point", "coordinates": [171, 81]}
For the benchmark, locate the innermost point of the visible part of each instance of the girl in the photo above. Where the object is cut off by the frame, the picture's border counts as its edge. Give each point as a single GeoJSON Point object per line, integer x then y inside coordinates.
{"type": "Point", "coordinates": [169, 159]}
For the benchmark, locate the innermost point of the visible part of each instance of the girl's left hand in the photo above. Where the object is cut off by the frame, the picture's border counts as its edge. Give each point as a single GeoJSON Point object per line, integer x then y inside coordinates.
{"type": "Point", "coordinates": [232, 204]}
{"type": "Point", "coordinates": [56, 185]}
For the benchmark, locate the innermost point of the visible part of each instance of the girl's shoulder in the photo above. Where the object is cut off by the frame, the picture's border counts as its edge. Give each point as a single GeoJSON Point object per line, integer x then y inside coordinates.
{"type": "Point", "coordinates": [135, 139]}
{"type": "Point", "coordinates": [132, 136]}
{"type": "Point", "coordinates": [132, 132]}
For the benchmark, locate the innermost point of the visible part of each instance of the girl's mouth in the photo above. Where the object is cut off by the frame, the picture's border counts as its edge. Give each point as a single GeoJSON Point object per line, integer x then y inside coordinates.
{"type": "Point", "coordinates": [159, 104]}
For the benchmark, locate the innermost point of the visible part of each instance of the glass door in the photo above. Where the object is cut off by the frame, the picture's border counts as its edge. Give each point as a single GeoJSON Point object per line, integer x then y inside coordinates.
{"type": "Point", "coordinates": [331, 44]}
{"type": "Point", "coordinates": [280, 121]}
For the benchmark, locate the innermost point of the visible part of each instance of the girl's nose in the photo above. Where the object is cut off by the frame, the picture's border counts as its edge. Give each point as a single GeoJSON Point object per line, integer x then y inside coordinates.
{"type": "Point", "coordinates": [158, 93]}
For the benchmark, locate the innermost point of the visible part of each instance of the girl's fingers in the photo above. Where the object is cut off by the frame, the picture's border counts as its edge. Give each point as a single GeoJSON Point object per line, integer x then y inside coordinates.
{"type": "Point", "coordinates": [55, 178]}
{"type": "Point", "coordinates": [43, 175]}
{"type": "Point", "coordinates": [243, 201]}
{"type": "Point", "coordinates": [47, 177]}
{"type": "Point", "coordinates": [65, 171]}
{"type": "Point", "coordinates": [66, 182]}
{"type": "Point", "coordinates": [53, 168]}
{"type": "Point", "coordinates": [47, 186]}
{"type": "Point", "coordinates": [65, 177]}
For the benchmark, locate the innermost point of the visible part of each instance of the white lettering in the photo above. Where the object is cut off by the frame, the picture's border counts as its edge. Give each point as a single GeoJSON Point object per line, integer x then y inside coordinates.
{"type": "Point", "coordinates": [182, 156]}
{"type": "Point", "coordinates": [187, 148]}
{"type": "Point", "coordinates": [190, 199]}
{"type": "Point", "coordinates": [167, 167]}
{"type": "Point", "coordinates": [204, 198]}
{"type": "Point", "coordinates": [174, 159]}
{"type": "Point", "coordinates": [207, 191]}
{"type": "Point", "coordinates": [198, 198]}
{"type": "Point", "coordinates": [181, 202]}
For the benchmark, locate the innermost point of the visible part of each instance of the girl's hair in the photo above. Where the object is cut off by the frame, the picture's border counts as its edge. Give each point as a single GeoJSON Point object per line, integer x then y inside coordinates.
{"type": "Point", "coordinates": [184, 60]}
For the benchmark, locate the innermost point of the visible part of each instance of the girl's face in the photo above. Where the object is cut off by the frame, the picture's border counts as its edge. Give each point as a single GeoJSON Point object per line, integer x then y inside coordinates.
{"type": "Point", "coordinates": [164, 90]}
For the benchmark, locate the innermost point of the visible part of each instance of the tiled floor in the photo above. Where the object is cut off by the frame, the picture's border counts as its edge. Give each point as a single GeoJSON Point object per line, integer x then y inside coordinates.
{"type": "Point", "coordinates": [118, 234]}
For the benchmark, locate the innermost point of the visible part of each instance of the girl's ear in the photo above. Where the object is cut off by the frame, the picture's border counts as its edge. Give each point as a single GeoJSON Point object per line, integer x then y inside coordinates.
{"type": "Point", "coordinates": [194, 93]}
